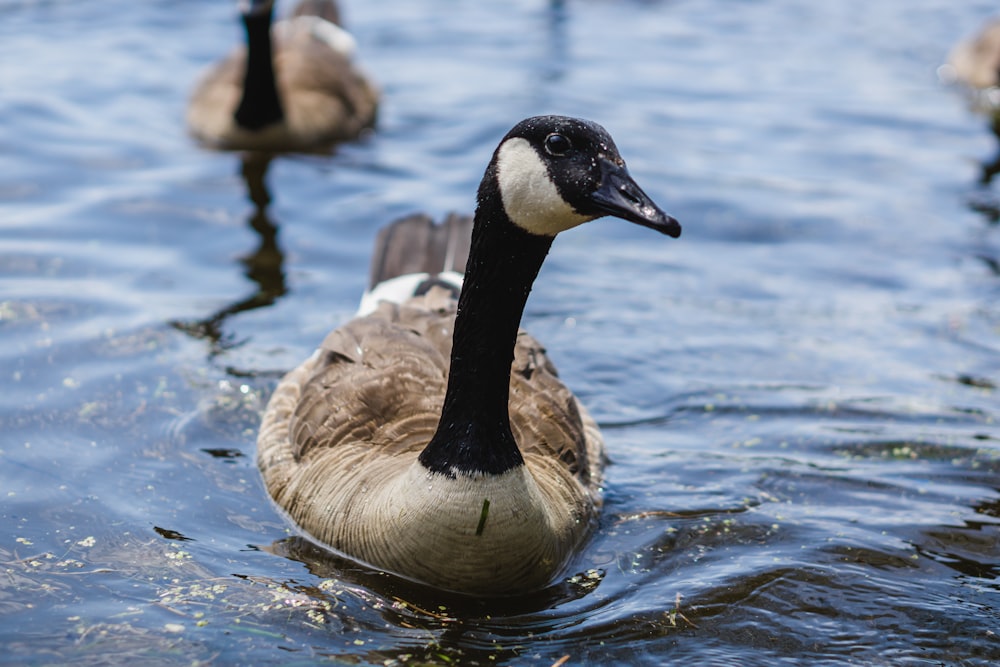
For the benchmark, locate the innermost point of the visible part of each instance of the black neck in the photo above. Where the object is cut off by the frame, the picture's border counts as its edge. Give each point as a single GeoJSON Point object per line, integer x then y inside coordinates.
{"type": "Point", "coordinates": [260, 105]}
{"type": "Point", "coordinates": [474, 433]}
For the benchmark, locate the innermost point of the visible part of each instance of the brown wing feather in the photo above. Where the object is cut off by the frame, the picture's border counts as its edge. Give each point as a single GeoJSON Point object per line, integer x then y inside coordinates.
{"type": "Point", "coordinates": [325, 96]}
{"type": "Point", "coordinates": [547, 419]}
{"type": "Point", "coordinates": [215, 98]}
{"type": "Point", "coordinates": [377, 380]}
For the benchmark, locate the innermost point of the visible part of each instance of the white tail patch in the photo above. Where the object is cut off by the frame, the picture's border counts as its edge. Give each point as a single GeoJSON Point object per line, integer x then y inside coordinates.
{"type": "Point", "coordinates": [401, 288]}
{"type": "Point", "coordinates": [530, 198]}
{"type": "Point", "coordinates": [330, 34]}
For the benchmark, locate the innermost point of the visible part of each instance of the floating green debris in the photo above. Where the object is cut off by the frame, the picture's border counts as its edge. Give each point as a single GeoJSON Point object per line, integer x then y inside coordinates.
{"type": "Point", "coordinates": [482, 517]}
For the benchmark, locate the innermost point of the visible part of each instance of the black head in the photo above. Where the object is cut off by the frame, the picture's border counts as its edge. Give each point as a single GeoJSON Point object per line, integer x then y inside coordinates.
{"type": "Point", "coordinates": [556, 172]}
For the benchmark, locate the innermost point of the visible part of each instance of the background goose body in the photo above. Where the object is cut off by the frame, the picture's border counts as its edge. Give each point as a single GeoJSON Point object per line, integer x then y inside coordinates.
{"type": "Point", "coordinates": [975, 61]}
{"type": "Point", "coordinates": [433, 438]}
{"type": "Point", "coordinates": [293, 87]}
{"type": "Point", "coordinates": [974, 64]}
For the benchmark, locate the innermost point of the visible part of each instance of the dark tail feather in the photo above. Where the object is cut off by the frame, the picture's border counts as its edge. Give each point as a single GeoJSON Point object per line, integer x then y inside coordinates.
{"type": "Point", "coordinates": [415, 244]}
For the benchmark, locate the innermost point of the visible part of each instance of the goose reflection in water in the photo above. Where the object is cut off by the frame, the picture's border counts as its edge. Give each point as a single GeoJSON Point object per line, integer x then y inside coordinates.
{"type": "Point", "coordinates": [264, 266]}
{"type": "Point", "coordinates": [332, 566]}
{"type": "Point", "coordinates": [452, 619]}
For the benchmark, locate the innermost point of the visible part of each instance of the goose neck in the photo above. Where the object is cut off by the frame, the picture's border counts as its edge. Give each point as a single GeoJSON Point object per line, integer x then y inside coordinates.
{"type": "Point", "coordinates": [474, 434]}
{"type": "Point", "coordinates": [260, 105]}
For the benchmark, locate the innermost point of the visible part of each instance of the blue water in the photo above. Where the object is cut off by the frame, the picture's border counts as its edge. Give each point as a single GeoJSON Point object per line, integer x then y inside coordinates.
{"type": "Point", "coordinates": [799, 394]}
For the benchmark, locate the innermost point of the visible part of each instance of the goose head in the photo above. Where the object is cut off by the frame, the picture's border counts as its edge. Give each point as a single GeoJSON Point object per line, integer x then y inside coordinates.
{"type": "Point", "coordinates": [556, 172]}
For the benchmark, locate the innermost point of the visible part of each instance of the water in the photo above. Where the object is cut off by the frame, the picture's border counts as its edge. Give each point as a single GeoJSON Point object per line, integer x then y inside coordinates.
{"type": "Point", "coordinates": [799, 395]}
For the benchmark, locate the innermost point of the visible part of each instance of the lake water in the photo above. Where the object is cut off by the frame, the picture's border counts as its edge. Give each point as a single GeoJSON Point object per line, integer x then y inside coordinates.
{"type": "Point", "coordinates": [799, 394]}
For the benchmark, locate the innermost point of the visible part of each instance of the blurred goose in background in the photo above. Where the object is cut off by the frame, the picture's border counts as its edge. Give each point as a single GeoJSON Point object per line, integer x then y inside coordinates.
{"type": "Point", "coordinates": [292, 88]}
{"type": "Point", "coordinates": [974, 64]}
{"type": "Point", "coordinates": [430, 436]}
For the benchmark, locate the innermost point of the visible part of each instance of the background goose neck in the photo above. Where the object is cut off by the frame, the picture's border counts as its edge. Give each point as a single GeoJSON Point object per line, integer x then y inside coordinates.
{"type": "Point", "coordinates": [260, 105]}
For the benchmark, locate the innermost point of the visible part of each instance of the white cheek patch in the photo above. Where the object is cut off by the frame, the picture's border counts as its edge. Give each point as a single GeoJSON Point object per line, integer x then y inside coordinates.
{"type": "Point", "coordinates": [530, 198]}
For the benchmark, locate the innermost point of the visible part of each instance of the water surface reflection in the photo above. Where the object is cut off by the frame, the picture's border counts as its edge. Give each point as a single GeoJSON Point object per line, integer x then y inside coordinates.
{"type": "Point", "coordinates": [264, 266]}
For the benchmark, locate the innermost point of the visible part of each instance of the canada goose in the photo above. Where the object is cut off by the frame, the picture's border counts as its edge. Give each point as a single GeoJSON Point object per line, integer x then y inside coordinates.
{"type": "Point", "coordinates": [975, 64]}
{"type": "Point", "coordinates": [292, 88]}
{"type": "Point", "coordinates": [443, 447]}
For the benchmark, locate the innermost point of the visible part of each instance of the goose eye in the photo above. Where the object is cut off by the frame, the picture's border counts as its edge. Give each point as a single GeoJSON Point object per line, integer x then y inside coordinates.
{"type": "Point", "coordinates": [557, 144]}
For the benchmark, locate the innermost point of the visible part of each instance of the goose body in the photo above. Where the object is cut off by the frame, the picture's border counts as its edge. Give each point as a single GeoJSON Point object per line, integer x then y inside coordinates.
{"type": "Point", "coordinates": [974, 63]}
{"type": "Point", "coordinates": [431, 437]}
{"type": "Point", "coordinates": [292, 87]}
